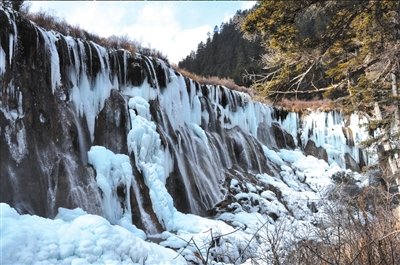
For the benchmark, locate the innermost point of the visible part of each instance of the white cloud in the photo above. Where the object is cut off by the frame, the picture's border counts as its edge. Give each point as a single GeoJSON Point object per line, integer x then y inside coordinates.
{"type": "Point", "coordinates": [247, 4]}
{"type": "Point", "coordinates": [158, 27]}
{"type": "Point", "coordinates": [105, 19]}
{"type": "Point", "coordinates": [154, 24]}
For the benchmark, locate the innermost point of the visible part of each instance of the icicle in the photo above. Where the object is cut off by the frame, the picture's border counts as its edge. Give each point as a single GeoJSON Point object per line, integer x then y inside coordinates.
{"type": "Point", "coordinates": [2, 61]}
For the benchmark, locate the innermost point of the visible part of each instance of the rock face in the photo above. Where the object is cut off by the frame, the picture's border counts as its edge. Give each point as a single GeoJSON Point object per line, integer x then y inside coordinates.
{"type": "Point", "coordinates": [60, 96]}
{"type": "Point", "coordinates": [318, 152]}
{"type": "Point", "coordinates": [282, 138]}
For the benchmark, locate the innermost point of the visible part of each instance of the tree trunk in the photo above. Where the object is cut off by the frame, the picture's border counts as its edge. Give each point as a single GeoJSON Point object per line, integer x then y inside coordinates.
{"type": "Point", "coordinates": [396, 122]}
{"type": "Point", "coordinates": [385, 141]}
{"type": "Point", "coordinates": [396, 112]}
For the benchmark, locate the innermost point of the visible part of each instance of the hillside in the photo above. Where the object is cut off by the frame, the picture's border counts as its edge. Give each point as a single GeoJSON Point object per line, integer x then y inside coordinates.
{"type": "Point", "coordinates": [226, 54]}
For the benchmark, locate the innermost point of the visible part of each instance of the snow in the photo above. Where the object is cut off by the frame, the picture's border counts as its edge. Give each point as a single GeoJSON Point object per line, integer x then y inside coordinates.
{"type": "Point", "coordinates": [144, 91]}
{"type": "Point", "coordinates": [272, 155]}
{"type": "Point", "coordinates": [74, 237]}
{"type": "Point", "coordinates": [141, 106]}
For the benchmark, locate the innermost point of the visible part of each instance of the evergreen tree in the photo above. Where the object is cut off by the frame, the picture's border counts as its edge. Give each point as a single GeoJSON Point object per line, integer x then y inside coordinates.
{"type": "Point", "coordinates": [227, 54]}
{"type": "Point", "coordinates": [347, 50]}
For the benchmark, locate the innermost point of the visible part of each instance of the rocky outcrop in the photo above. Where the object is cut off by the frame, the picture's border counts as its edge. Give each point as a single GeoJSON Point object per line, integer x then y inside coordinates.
{"type": "Point", "coordinates": [351, 163]}
{"type": "Point", "coordinates": [282, 138]}
{"type": "Point", "coordinates": [313, 150]}
{"type": "Point", "coordinates": [112, 124]}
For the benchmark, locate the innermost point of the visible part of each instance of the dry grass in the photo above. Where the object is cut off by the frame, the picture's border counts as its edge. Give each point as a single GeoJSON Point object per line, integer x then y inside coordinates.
{"type": "Point", "coordinates": [365, 233]}
{"type": "Point", "coordinates": [214, 80]}
{"type": "Point", "coordinates": [302, 105]}
{"type": "Point", "coordinates": [287, 104]}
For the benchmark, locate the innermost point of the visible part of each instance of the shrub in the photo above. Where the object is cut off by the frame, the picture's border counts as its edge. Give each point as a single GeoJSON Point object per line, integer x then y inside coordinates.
{"type": "Point", "coordinates": [360, 230]}
{"type": "Point", "coordinates": [214, 80]}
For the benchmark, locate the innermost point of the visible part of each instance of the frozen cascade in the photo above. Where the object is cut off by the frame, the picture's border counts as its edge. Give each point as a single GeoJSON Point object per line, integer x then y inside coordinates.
{"type": "Point", "coordinates": [331, 131]}
{"type": "Point", "coordinates": [50, 40]}
{"type": "Point", "coordinates": [83, 147]}
{"type": "Point", "coordinates": [89, 92]}
{"type": "Point", "coordinates": [180, 163]}
{"type": "Point", "coordinates": [145, 144]}
{"type": "Point", "coordinates": [189, 142]}
{"type": "Point", "coordinates": [113, 172]}
{"type": "Point", "coordinates": [2, 61]}
{"type": "Point", "coordinates": [114, 178]}
{"type": "Point", "coordinates": [148, 224]}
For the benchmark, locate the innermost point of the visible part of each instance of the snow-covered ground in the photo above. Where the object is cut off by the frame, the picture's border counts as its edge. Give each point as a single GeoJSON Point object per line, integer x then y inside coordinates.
{"type": "Point", "coordinates": [293, 200]}
{"type": "Point", "coordinates": [74, 237]}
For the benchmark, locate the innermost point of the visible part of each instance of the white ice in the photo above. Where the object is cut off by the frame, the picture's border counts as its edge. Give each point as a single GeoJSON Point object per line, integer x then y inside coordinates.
{"type": "Point", "coordinates": [74, 237]}
{"type": "Point", "coordinates": [114, 171]}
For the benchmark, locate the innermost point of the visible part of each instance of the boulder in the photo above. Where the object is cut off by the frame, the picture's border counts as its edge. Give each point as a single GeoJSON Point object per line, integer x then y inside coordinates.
{"type": "Point", "coordinates": [351, 163]}
{"type": "Point", "coordinates": [282, 138]}
{"type": "Point", "coordinates": [313, 150]}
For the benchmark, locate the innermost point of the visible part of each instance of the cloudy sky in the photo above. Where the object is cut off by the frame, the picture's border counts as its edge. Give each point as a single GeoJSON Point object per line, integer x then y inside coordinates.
{"type": "Point", "coordinates": [173, 27]}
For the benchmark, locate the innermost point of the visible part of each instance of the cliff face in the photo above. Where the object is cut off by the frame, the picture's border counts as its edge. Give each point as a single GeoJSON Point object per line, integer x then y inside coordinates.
{"type": "Point", "coordinates": [61, 96]}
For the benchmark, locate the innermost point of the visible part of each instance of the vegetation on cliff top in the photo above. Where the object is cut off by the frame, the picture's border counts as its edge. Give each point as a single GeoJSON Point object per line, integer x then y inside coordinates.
{"type": "Point", "coordinates": [321, 48]}
{"type": "Point", "coordinates": [226, 53]}
{"type": "Point", "coordinates": [347, 51]}
{"type": "Point", "coordinates": [49, 21]}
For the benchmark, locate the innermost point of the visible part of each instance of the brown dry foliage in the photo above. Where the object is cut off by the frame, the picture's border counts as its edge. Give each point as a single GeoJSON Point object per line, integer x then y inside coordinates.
{"type": "Point", "coordinates": [301, 105]}
{"type": "Point", "coordinates": [365, 234]}
{"type": "Point", "coordinates": [362, 230]}
{"type": "Point", "coordinates": [214, 80]}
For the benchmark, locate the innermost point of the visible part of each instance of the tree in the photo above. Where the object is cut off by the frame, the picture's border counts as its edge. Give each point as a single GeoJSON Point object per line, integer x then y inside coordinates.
{"type": "Point", "coordinates": [227, 54]}
{"type": "Point", "coordinates": [348, 51]}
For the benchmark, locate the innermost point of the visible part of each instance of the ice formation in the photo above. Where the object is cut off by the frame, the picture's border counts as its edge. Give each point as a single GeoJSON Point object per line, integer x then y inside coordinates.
{"type": "Point", "coordinates": [74, 237]}
{"type": "Point", "coordinates": [187, 150]}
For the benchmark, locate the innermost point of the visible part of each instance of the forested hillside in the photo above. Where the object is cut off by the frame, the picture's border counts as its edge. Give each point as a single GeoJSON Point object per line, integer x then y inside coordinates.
{"type": "Point", "coordinates": [226, 53]}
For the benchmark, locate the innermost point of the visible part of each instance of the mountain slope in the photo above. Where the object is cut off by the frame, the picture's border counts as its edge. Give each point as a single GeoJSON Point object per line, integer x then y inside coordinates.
{"type": "Point", "coordinates": [227, 54]}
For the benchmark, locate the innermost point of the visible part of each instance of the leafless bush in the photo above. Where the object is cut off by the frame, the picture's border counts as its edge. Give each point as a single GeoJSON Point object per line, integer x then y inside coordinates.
{"type": "Point", "coordinates": [361, 231]}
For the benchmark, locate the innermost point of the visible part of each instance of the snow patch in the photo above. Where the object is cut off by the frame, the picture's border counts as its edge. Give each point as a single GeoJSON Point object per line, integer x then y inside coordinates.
{"type": "Point", "coordinates": [74, 237]}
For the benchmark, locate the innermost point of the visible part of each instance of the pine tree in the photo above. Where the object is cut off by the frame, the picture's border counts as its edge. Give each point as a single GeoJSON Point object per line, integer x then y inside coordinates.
{"type": "Point", "coordinates": [227, 54]}
{"type": "Point", "coordinates": [344, 50]}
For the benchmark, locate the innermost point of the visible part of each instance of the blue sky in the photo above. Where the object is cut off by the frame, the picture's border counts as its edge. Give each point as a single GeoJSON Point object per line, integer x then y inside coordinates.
{"type": "Point", "coordinates": [173, 27]}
